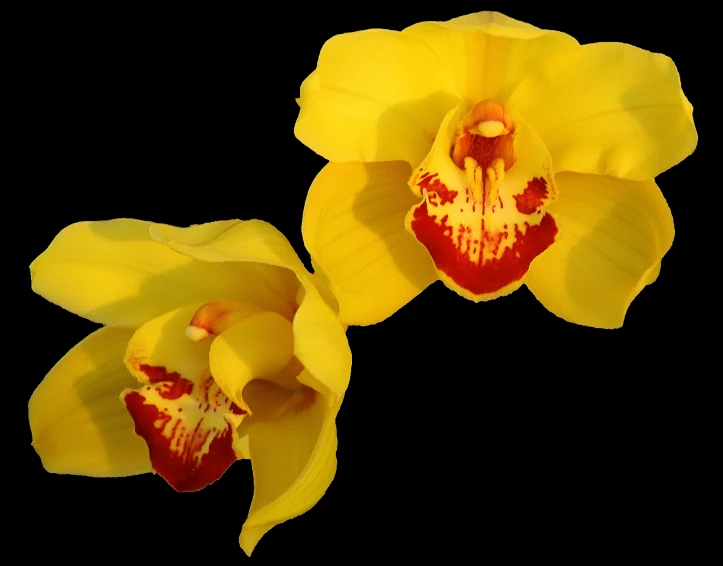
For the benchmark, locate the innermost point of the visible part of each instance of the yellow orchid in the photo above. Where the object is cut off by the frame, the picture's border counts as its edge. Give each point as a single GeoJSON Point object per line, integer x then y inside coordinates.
{"type": "Point", "coordinates": [488, 153]}
{"type": "Point", "coordinates": [217, 345]}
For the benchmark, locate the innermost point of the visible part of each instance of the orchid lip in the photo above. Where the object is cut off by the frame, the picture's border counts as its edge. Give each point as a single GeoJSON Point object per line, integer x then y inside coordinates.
{"type": "Point", "coordinates": [484, 187]}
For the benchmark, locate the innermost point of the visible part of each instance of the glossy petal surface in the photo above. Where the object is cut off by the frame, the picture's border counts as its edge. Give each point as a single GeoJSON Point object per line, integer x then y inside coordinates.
{"type": "Point", "coordinates": [614, 235]}
{"type": "Point", "coordinates": [79, 425]}
{"type": "Point", "coordinates": [114, 273]}
{"type": "Point", "coordinates": [609, 109]}
{"type": "Point", "coordinates": [294, 460]}
{"type": "Point", "coordinates": [376, 95]}
{"type": "Point", "coordinates": [353, 227]}
{"type": "Point", "coordinates": [259, 347]}
{"type": "Point", "coordinates": [487, 54]}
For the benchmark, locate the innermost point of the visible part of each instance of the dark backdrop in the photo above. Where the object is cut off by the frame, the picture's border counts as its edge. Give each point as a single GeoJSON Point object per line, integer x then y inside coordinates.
{"type": "Point", "coordinates": [526, 433]}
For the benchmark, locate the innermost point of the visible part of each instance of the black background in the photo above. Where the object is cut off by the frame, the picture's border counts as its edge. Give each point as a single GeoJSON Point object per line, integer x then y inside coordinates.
{"type": "Point", "coordinates": [467, 429]}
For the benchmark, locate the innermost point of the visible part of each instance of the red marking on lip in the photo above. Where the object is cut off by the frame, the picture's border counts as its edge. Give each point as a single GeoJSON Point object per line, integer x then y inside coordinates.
{"type": "Point", "coordinates": [175, 442]}
{"type": "Point", "coordinates": [173, 385]}
{"type": "Point", "coordinates": [490, 275]}
{"type": "Point", "coordinates": [158, 373]}
{"type": "Point", "coordinates": [436, 190]}
{"type": "Point", "coordinates": [533, 197]}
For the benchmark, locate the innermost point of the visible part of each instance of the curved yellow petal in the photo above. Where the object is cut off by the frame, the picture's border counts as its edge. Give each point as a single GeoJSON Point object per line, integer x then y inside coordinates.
{"type": "Point", "coordinates": [609, 109]}
{"type": "Point", "coordinates": [376, 95]}
{"type": "Point", "coordinates": [161, 345]}
{"type": "Point", "coordinates": [495, 23]}
{"type": "Point", "coordinates": [255, 348]}
{"type": "Point", "coordinates": [114, 273]}
{"type": "Point", "coordinates": [353, 227]}
{"type": "Point", "coordinates": [294, 460]}
{"type": "Point", "coordinates": [614, 235]}
{"type": "Point", "coordinates": [233, 241]}
{"type": "Point", "coordinates": [79, 424]}
{"type": "Point", "coordinates": [487, 54]}
{"type": "Point", "coordinates": [319, 340]}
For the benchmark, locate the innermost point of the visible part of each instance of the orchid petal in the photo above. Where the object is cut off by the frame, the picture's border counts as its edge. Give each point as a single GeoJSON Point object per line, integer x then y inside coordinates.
{"type": "Point", "coordinates": [256, 348]}
{"type": "Point", "coordinates": [376, 95]}
{"type": "Point", "coordinates": [162, 342]}
{"type": "Point", "coordinates": [487, 54]}
{"type": "Point", "coordinates": [79, 425]}
{"type": "Point", "coordinates": [353, 227]}
{"type": "Point", "coordinates": [614, 235]}
{"type": "Point", "coordinates": [112, 272]}
{"type": "Point", "coordinates": [294, 460]}
{"type": "Point", "coordinates": [609, 109]}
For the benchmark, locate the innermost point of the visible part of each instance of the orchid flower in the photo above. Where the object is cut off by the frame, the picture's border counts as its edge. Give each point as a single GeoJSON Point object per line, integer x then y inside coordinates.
{"type": "Point", "coordinates": [487, 153]}
{"type": "Point", "coordinates": [217, 345]}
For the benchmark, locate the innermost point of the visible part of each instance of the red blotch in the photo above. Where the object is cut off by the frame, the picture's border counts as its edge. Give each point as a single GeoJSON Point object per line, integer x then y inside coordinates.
{"type": "Point", "coordinates": [487, 276]}
{"type": "Point", "coordinates": [174, 386]}
{"type": "Point", "coordinates": [533, 197]}
{"type": "Point", "coordinates": [158, 373]}
{"type": "Point", "coordinates": [181, 471]}
{"type": "Point", "coordinates": [174, 455]}
{"type": "Point", "coordinates": [236, 410]}
{"type": "Point", "coordinates": [435, 187]}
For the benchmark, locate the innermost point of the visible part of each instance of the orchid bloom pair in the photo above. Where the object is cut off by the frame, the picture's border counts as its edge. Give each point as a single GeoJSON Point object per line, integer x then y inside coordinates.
{"type": "Point", "coordinates": [482, 151]}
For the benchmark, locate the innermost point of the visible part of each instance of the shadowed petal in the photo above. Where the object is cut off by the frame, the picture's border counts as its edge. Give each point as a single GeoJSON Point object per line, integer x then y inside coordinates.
{"type": "Point", "coordinates": [376, 95]}
{"type": "Point", "coordinates": [609, 109]}
{"type": "Point", "coordinates": [294, 460]}
{"type": "Point", "coordinates": [487, 54]}
{"type": "Point", "coordinates": [353, 227]}
{"type": "Point", "coordinates": [614, 235]}
{"type": "Point", "coordinates": [79, 425]}
{"type": "Point", "coordinates": [114, 273]}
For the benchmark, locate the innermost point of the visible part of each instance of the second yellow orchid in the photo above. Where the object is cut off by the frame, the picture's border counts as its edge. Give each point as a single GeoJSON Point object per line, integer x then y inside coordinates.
{"type": "Point", "coordinates": [218, 345]}
{"type": "Point", "coordinates": [489, 153]}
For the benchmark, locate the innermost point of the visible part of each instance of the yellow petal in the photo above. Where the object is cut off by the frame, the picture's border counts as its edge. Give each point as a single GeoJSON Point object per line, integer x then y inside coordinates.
{"type": "Point", "coordinates": [609, 109]}
{"type": "Point", "coordinates": [495, 23]}
{"type": "Point", "coordinates": [114, 273]}
{"type": "Point", "coordinates": [79, 424]}
{"type": "Point", "coordinates": [294, 460]}
{"type": "Point", "coordinates": [258, 347]}
{"type": "Point", "coordinates": [319, 340]}
{"type": "Point", "coordinates": [353, 227]}
{"type": "Point", "coordinates": [614, 235]}
{"type": "Point", "coordinates": [376, 95]}
{"type": "Point", "coordinates": [487, 54]}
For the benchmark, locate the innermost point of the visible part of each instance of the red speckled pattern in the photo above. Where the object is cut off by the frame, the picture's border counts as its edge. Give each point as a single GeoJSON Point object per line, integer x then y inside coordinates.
{"type": "Point", "coordinates": [533, 197]}
{"type": "Point", "coordinates": [469, 242]}
{"type": "Point", "coordinates": [189, 428]}
{"type": "Point", "coordinates": [482, 277]}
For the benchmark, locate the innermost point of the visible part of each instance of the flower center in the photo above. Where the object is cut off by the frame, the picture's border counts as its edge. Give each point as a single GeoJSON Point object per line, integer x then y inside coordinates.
{"type": "Point", "coordinates": [190, 415]}
{"type": "Point", "coordinates": [263, 397]}
{"type": "Point", "coordinates": [484, 186]}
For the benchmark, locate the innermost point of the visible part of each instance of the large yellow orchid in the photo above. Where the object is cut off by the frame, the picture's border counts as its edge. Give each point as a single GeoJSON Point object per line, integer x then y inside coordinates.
{"type": "Point", "coordinates": [217, 345]}
{"type": "Point", "coordinates": [530, 158]}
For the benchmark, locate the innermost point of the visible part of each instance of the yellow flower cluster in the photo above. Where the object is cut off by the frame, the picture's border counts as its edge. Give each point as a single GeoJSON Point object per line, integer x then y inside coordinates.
{"type": "Point", "coordinates": [482, 151]}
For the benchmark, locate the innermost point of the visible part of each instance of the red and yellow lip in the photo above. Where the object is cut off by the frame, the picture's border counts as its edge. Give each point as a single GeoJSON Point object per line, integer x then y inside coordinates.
{"type": "Point", "coordinates": [484, 188]}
